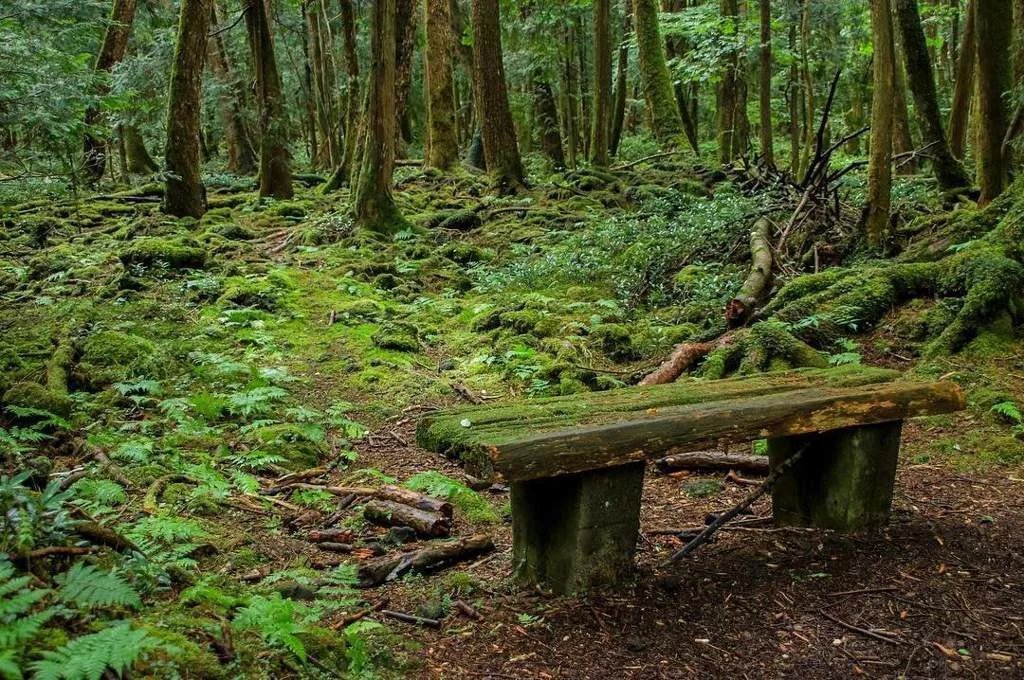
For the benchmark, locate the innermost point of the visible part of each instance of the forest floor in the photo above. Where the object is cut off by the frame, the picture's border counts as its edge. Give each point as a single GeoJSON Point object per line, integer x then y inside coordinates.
{"type": "Point", "coordinates": [208, 358]}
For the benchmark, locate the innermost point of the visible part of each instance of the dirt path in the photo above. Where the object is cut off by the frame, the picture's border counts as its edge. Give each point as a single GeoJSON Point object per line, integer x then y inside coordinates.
{"type": "Point", "coordinates": [939, 594]}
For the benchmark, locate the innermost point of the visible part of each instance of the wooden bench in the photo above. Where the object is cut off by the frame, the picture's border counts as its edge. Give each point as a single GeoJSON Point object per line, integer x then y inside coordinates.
{"type": "Point", "coordinates": [576, 463]}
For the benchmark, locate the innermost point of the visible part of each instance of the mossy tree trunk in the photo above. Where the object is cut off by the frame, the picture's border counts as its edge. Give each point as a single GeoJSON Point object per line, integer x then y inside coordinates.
{"type": "Point", "coordinates": [963, 86]}
{"type": "Point", "coordinates": [407, 13]}
{"type": "Point", "coordinates": [546, 116]}
{"type": "Point", "coordinates": [902, 137]}
{"type": "Point", "coordinates": [621, 80]}
{"type": "Point", "coordinates": [876, 212]}
{"type": "Point", "coordinates": [765, 103]}
{"type": "Point", "coordinates": [137, 157]}
{"type": "Point", "coordinates": [322, 84]}
{"type": "Point", "coordinates": [275, 166]}
{"type": "Point", "coordinates": [354, 102]}
{"type": "Point", "coordinates": [442, 136]}
{"type": "Point", "coordinates": [655, 78]}
{"type": "Point", "coordinates": [373, 205]}
{"type": "Point", "coordinates": [231, 98]}
{"type": "Point", "coordinates": [112, 51]}
{"type": "Point", "coordinates": [993, 22]}
{"type": "Point", "coordinates": [602, 89]}
{"type": "Point", "coordinates": [184, 193]}
{"type": "Point", "coordinates": [794, 107]}
{"type": "Point", "coordinates": [948, 170]}
{"type": "Point", "coordinates": [501, 150]}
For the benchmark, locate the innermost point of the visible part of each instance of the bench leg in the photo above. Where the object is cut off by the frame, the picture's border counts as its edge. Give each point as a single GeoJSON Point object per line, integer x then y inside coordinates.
{"type": "Point", "coordinates": [576, 532]}
{"type": "Point", "coordinates": [844, 480]}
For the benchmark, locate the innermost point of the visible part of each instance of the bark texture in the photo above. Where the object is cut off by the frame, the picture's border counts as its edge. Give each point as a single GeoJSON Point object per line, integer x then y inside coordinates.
{"type": "Point", "coordinates": [666, 123]}
{"type": "Point", "coordinates": [442, 134]}
{"type": "Point", "coordinates": [876, 212]}
{"type": "Point", "coordinates": [994, 25]}
{"type": "Point", "coordinates": [231, 101]}
{"type": "Point", "coordinates": [602, 88]}
{"type": "Point", "coordinates": [621, 79]}
{"type": "Point", "coordinates": [765, 103]}
{"type": "Point", "coordinates": [501, 150]}
{"type": "Point", "coordinates": [963, 87]}
{"type": "Point", "coordinates": [184, 193]}
{"type": "Point", "coordinates": [275, 166]}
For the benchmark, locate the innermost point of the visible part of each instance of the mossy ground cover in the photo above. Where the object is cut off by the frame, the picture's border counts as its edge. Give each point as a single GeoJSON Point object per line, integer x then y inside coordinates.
{"type": "Point", "coordinates": [271, 336]}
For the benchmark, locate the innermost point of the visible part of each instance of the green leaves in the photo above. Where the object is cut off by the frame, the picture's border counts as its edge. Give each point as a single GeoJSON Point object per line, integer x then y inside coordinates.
{"type": "Point", "coordinates": [115, 648]}
{"type": "Point", "coordinates": [88, 586]}
{"type": "Point", "coordinates": [274, 618]}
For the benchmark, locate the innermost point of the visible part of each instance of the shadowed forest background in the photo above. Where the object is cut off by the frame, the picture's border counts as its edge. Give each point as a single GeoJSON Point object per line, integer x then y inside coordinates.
{"type": "Point", "coordinates": [247, 245]}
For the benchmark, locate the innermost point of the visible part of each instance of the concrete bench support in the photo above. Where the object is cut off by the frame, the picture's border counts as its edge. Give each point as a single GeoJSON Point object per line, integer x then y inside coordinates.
{"type": "Point", "coordinates": [844, 480]}
{"type": "Point", "coordinates": [576, 532]}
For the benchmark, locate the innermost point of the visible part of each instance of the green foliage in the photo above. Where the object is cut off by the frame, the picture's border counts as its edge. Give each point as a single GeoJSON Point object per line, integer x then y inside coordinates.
{"type": "Point", "coordinates": [274, 618]}
{"type": "Point", "coordinates": [116, 648]}
{"type": "Point", "coordinates": [21, 618]}
{"type": "Point", "coordinates": [88, 586]}
{"type": "Point", "coordinates": [474, 506]}
{"type": "Point", "coordinates": [1009, 411]}
{"type": "Point", "coordinates": [32, 518]}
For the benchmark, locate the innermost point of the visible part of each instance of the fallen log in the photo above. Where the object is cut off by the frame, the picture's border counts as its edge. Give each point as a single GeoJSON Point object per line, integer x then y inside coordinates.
{"type": "Point", "coordinates": [331, 535]}
{"type": "Point", "coordinates": [740, 308]}
{"type": "Point", "coordinates": [415, 500]}
{"type": "Point", "coordinates": [713, 460]}
{"type": "Point", "coordinates": [383, 569]}
{"type": "Point", "coordinates": [389, 514]}
{"type": "Point", "coordinates": [335, 547]}
{"type": "Point", "coordinates": [410, 618]}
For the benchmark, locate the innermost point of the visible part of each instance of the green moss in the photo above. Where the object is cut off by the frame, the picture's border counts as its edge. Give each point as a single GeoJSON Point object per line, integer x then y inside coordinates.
{"type": "Point", "coordinates": [293, 443]}
{"type": "Point", "coordinates": [256, 293]}
{"type": "Point", "coordinates": [35, 396]}
{"type": "Point", "coordinates": [702, 488]}
{"type": "Point", "coordinates": [111, 356]}
{"type": "Point", "coordinates": [615, 340]}
{"type": "Point", "coordinates": [464, 253]}
{"type": "Point", "coordinates": [472, 506]}
{"type": "Point", "coordinates": [402, 337]}
{"type": "Point", "coordinates": [173, 253]}
{"type": "Point", "coordinates": [233, 231]}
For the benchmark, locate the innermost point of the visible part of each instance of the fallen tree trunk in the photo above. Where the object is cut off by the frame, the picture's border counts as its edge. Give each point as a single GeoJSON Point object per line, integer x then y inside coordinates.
{"type": "Point", "coordinates": [389, 514]}
{"type": "Point", "coordinates": [683, 358]}
{"type": "Point", "coordinates": [740, 308]}
{"type": "Point", "coordinates": [415, 500]}
{"type": "Point", "coordinates": [713, 460]}
{"type": "Point", "coordinates": [381, 570]}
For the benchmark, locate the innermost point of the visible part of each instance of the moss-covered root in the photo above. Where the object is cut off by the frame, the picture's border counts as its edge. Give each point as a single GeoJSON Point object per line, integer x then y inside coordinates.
{"type": "Point", "coordinates": [764, 346]}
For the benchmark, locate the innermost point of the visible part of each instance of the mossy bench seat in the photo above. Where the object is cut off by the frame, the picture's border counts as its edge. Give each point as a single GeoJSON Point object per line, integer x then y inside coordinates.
{"type": "Point", "coordinates": [576, 463]}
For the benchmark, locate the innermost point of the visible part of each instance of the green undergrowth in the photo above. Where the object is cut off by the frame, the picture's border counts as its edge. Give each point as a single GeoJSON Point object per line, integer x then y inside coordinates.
{"type": "Point", "coordinates": [206, 357]}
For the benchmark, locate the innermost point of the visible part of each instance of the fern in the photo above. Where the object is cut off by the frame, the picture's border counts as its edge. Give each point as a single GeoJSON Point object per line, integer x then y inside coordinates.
{"type": "Point", "coordinates": [88, 586]}
{"type": "Point", "coordinates": [1009, 411]}
{"type": "Point", "coordinates": [134, 451]}
{"type": "Point", "coordinates": [116, 648]}
{"type": "Point", "coordinates": [274, 618]}
{"type": "Point", "coordinates": [100, 493]}
{"type": "Point", "coordinates": [257, 401]}
{"type": "Point", "coordinates": [168, 529]}
{"type": "Point", "coordinates": [18, 623]}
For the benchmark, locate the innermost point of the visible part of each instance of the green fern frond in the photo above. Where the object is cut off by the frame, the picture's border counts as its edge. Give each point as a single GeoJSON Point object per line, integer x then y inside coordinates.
{"type": "Point", "coordinates": [274, 618]}
{"type": "Point", "coordinates": [89, 586]}
{"type": "Point", "coordinates": [86, 658]}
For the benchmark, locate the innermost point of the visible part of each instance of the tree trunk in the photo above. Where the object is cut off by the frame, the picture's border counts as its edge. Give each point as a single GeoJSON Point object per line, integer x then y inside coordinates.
{"type": "Point", "coordinates": [345, 171]}
{"type": "Point", "coordinates": [963, 87]}
{"type": "Point", "coordinates": [184, 193]}
{"type": "Point", "coordinates": [621, 76]}
{"type": "Point", "coordinates": [136, 156]}
{"type": "Point", "coordinates": [112, 51]}
{"type": "Point", "coordinates": [602, 83]}
{"type": "Point", "coordinates": [501, 150]}
{"type": "Point", "coordinates": [728, 90]}
{"type": "Point", "coordinates": [406, 15]}
{"type": "Point", "coordinates": [231, 98]}
{"type": "Point", "coordinates": [767, 150]}
{"type": "Point", "coordinates": [993, 22]}
{"type": "Point", "coordinates": [666, 123]}
{"type": "Point", "coordinates": [948, 170]}
{"type": "Point", "coordinates": [373, 205]}
{"type": "Point", "coordinates": [808, 87]}
{"type": "Point", "coordinates": [568, 102]}
{"type": "Point", "coordinates": [582, 78]}
{"type": "Point", "coordinates": [902, 137]}
{"type": "Point", "coordinates": [546, 115]}
{"type": "Point", "coordinates": [275, 166]}
{"type": "Point", "coordinates": [442, 140]}
{"type": "Point", "coordinates": [876, 212]}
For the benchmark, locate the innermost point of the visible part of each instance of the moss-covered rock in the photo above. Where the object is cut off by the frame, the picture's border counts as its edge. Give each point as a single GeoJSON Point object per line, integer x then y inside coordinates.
{"type": "Point", "coordinates": [35, 396]}
{"type": "Point", "coordinates": [254, 293]}
{"type": "Point", "coordinates": [112, 356]}
{"type": "Point", "coordinates": [615, 340]}
{"type": "Point", "coordinates": [172, 253]}
{"type": "Point", "coordinates": [402, 337]}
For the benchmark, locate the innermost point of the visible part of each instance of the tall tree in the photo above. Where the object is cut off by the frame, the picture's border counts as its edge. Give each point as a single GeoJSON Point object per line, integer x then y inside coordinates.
{"type": "Point", "coordinates": [667, 125]}
{"type": "Point", "coordinates": [373, 205]}
{"type": "Point", "coordinates": [275, 166]}
{"type": "Point", "coordinates": [993, 22]}
{"type": "Point", "coordinates": [602, 83]}
{"type": "Point", "coordinates": [545, 114]}
{"type": "Point", "coordinates": [112, 51]}
{"type": "Point", "coordinates": [442, 136]}
{"type": "Point", "coordinates": [963, 86]}
{"type": "Point", "coordinates": [621, 79]}
{"type": "Point", "coordinates": [231, 100]}
{"type": "Point", "coordinates": [948, 170]}
{"type": "Point", "coordinates": [407, 15]}
{"type": "Point", "coordinates": [876, 211]}
{"type": "Point", "coordinates": [729, 89]}
{"type": "Point", "coordinates": [765, 103]}
{"type": "Point", "coordinates": [184, 193]}
{"type": "Point", "coordinates": [346, 170]}
{"type": "Point", "coordinates": [501, 150]}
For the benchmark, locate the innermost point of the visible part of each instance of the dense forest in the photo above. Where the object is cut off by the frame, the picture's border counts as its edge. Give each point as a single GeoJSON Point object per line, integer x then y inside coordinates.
{"type": "Point", "coordinates": [296, 294]}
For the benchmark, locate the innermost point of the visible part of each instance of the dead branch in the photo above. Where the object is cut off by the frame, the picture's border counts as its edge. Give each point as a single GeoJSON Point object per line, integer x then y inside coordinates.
{"type": "Point", "coordinates": [383, 569]}
{"type": "Point", "coordinates": [390, 514]}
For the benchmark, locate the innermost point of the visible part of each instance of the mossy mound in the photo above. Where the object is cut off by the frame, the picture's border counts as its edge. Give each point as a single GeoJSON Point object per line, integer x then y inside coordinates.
{"type": "Point", "coordinates": [35, 396]}
{"type": "Point", "coordinates": [255, 293]}
{"type": "Point", "coordinates": [111, 356]}
{"type": "Point", "coordinates": [161, 252]}
{"type": "Point", "coordinates": [401, 337]}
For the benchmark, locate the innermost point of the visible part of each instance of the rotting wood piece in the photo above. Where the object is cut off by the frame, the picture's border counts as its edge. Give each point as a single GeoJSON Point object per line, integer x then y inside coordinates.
{"type": "Point", "coordinates": [378, 571]}
{"type": "Point", "coordinates": [643, 436]}
{"type": "Point", "coordinates": [415, 500]}
{"type": "Point", "coordinates": [389, 514]}
{"type": "Point", "coordinates": [742, 306]}
{"type": "Point", "coordinates": [467, 433]}
{"type": "Point", "coordinates": [713, 460]}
